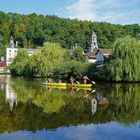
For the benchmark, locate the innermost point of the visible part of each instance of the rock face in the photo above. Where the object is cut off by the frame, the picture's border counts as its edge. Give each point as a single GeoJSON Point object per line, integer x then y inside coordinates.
{"type": "Point", "coordinates": [93, 43]}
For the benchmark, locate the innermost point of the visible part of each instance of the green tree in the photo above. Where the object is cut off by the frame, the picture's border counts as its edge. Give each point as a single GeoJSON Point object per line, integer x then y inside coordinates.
{"type": "Point", "coordinates": [46, 59]}
{"type": "Point", "coordinates": [38, 64]}
{"type": "Point", "coordinates": [20, 66]}
{"type": "Point", "coordinates": [124, 64]}
{"type": "Point", "coordinates": [78, 54]}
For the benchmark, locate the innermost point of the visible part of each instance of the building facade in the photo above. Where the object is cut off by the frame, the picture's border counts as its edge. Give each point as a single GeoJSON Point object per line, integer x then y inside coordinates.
{"type": "Point", "coordinates": [11, 51]}
{"type": "Point", "coordinates": [93, 43]}
{"type": "Point", "coordinates": [96, 55]}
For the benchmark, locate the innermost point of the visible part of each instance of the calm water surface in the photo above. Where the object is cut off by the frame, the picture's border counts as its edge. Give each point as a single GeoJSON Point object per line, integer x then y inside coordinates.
{"type": "Point", "coordinates": [31, 111]}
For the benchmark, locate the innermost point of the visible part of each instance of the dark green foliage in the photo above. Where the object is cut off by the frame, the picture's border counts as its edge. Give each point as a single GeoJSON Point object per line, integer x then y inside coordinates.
{"type": "Point", "coordinates": [51, 59]}
{"type": "Point", "coordinates": [33, 30]}
{"type": "Point", "coordinates": [72, 67]}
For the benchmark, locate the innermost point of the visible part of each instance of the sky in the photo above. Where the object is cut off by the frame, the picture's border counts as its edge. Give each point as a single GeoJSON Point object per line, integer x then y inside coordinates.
{"type": "Point", "coordinates": [112, 11]}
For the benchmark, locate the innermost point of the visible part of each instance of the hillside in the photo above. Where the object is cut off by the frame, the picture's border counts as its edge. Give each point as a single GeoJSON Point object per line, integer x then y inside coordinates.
{"type": "Point", "coordinates": [33, 30]}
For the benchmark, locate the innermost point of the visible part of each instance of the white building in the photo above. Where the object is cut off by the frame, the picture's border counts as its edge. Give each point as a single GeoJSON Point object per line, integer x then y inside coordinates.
{"type": "Point", "coordinates": [11, 51]}
{"type": "Point", "coordinates": [95, 54]}
{"type": "Point", "coordinates": [93, 43]}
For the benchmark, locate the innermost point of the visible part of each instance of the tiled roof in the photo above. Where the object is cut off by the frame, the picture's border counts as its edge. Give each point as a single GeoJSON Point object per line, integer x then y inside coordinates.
{"type": "Point", "coordinates": [2, 63]}
{"type": "Point", "coordinates": [106, 51]}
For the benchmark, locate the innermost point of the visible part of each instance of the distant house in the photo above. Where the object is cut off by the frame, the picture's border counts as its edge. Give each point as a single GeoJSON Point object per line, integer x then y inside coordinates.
{"type": "Point", "coordinates": [12, 49]}
{"type": "Point", "coordinates": [99, 55]}
{"type": "Point", "coordinates": [2, 66]}
{"type": "Point", "coordinates": [95, 54]}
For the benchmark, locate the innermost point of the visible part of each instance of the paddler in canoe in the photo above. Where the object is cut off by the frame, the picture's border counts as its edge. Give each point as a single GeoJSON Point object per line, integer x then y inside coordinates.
{"type": "Point", "coordinates": [72, 80]}
{"type": "Point", "coordinates": [85, 78]}
{"type": "Point", "coordinates": [49, 80]}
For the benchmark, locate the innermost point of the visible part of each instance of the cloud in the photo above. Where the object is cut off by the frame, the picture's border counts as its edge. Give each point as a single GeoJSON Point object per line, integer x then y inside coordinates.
{"type": "Point", "coordinates": [82, 10]}
{"type": "Point", "coordinates": [114, 11]}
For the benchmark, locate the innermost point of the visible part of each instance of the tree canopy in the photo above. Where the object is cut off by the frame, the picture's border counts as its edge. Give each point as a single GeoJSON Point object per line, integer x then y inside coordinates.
{"type": "Point", "coordinates": [49, 60]}
{"type": "Point", "coordinates": [19, 66]}
{"type": "Point", "coordinates": [124, 64]}
{"type": "Point", "coordinates": [33, 30]}
{"type": "Point", "coordinates": [46, 59]}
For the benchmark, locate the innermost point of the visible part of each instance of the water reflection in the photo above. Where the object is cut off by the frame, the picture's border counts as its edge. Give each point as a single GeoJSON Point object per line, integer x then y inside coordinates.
{"type": "Point", "coordinates": [11, 96]}
{"type": "Point", "coordinates": [26, 104]}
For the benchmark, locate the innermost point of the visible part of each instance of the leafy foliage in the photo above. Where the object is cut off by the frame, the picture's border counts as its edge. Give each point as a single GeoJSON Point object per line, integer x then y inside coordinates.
{"type": "Point", "coordinates": [19, 66]}
{"type": "Point", "coordinates": [33, 30]}
{"type": "Point", "coordinates": [124, 64]}
{"type": "Point", "coordinates": [51, 59]}
{"type": "Point", "coordinates": [46, 59]}
{"type": "Point", "coordinates": [72, 67]}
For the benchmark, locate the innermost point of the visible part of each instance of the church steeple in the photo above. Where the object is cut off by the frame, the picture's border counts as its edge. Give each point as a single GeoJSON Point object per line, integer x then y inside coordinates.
{"type": "Point", "coordinates": [11, 44]}
{"type": "Point", "coordinates": [93, 42]}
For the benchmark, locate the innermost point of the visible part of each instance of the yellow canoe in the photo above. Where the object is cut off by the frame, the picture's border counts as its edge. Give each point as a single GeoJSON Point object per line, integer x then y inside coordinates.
{"type": "Point", "coordinates": [80, 85]}
{"type": "Point", "coordinates": [55, 84]}
{"type": "Point", "coordinates": [69, 85]}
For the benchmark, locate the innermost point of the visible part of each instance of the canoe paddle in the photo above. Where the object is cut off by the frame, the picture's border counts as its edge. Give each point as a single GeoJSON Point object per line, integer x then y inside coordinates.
{"type": "Point", "coordinates": [91, 81]}
{"type": "Point", "coordinates": [77, 82]}
{"type": "Point", "coordinates": [90, 93]}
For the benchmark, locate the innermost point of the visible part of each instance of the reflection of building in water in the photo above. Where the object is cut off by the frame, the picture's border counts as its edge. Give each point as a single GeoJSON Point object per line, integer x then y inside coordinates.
{"type": "Point", "coordinates": [2, 82]}
{"type": "Point", "coordinates": [2, 86]}
{"type": "Point", "coordinates": [93, 105]}
{"type": "Point", "coordinates": [10, 94]}
{"type": "Point", "coordinates": [93, 101]}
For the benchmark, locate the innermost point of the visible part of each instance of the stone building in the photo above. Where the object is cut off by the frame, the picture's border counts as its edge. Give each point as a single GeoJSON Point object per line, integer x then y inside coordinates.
{"type": "Point", "coordinates": [11, 51]}
{"type": "Point", "coordinates": [93, 43]}
{"type": "Point", "coordinates": [95, 54]}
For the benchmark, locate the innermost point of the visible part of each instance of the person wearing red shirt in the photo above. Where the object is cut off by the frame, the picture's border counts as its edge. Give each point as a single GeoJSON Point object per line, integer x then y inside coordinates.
{"type": "Point", "coordinates": [72, 80]}
{"type": "Point", "coordinates": [85, 78]}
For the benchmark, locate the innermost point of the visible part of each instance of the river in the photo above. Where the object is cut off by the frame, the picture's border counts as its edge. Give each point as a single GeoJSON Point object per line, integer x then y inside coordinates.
{"type": "Point", "coordinates": [32, 111]}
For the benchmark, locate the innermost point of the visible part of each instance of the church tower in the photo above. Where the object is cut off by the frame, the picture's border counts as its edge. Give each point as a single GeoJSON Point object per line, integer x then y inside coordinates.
{"type": "Point", "coordinates": [11, 44]}
{"type": "Point", "coordinates": [11, 51]}
{"type": "Point", "coordinates": [93, 43]}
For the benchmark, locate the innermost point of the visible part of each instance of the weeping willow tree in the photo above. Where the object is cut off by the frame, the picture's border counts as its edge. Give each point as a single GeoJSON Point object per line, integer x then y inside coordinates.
{"type": "Point", "coordinates": [45, 60]}
{"type": "Point", "coordinates": [125, 62]}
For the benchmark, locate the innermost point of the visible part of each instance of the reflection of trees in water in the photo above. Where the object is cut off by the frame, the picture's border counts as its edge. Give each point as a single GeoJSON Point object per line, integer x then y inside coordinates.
{"type": "Point", "coordinates": [55, 108]}
{"type": "Point", "coordinates": [124, 102]}
{"type": "Point", "coordinates": [49, 100]}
